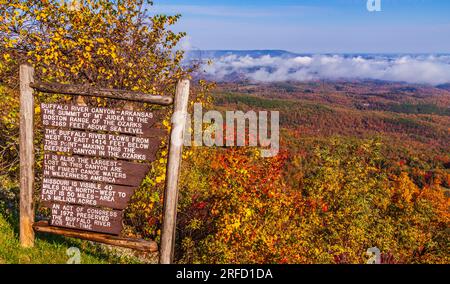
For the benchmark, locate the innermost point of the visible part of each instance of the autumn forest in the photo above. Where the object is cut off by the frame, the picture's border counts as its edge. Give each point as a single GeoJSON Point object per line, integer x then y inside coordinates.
{"type": "Point", "coordinates": [362, 163]}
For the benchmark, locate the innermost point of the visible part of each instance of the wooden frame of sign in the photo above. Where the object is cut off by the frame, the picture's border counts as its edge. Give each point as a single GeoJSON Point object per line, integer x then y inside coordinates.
{"type": "Point", "coordinates": [86, 193]}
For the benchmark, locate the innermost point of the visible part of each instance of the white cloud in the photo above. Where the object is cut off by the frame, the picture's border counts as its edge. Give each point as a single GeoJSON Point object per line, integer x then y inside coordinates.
{"type": "Point", "coordinates": [430, 69]}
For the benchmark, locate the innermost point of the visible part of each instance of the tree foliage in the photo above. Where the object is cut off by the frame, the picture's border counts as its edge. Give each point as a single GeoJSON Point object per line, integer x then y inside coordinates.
{"type": "Point", "coordinates": [113, 44]}
{"type": "Point", "coordinates": [343, 200]}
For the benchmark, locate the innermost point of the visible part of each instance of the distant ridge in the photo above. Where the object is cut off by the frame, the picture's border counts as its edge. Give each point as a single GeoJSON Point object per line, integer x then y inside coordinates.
{"type": "Point", "coordinates": [444, 86]}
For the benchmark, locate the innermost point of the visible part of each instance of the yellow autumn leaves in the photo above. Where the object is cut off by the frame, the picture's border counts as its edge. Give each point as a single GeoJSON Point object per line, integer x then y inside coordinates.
{"type": "Point", "coordinates": [112, 44]}
{"type": "Point", "coordinates": [102, 43]}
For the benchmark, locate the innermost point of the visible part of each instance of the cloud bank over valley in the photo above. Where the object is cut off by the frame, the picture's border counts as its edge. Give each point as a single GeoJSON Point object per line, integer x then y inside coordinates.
{"type": "Point", "coordinates": [278, 66]}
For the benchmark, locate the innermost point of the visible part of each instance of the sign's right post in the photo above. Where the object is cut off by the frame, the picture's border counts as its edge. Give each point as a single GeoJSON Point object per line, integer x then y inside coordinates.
{"type": "Point", "coordinates": [173, 172]}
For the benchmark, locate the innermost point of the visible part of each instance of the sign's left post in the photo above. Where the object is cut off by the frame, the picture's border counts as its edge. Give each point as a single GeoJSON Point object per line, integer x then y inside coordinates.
{"type": "Point", "coordinates": [26, 156]}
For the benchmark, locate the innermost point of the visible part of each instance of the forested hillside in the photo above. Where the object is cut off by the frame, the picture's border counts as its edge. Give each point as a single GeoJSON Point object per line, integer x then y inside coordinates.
{"type": "Point", "coordinates": [351, 175]}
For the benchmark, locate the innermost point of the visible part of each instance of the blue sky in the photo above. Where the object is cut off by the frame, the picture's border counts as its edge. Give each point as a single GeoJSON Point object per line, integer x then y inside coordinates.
{"type": "Point", "coordinates": [313, 26]}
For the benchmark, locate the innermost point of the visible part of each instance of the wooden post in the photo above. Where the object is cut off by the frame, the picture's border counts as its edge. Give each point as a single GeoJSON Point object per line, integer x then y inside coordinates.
{"type": "Point", "coordinates": [26, 156]}
{"type": "Point", "coordinates": [173, 171]}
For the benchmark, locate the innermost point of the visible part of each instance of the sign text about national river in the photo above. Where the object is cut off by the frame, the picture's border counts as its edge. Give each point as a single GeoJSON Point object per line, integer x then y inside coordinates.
{"type": "Point", "coordinates": [87, 182]}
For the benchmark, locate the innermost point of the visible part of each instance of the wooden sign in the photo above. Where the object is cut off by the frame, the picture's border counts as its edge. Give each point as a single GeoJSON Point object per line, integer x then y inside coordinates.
{"type": "Point", "coordinates": [95, 170]}
{"type": "Point", "coordinates": [86, 182]}
{"type": "Point", "coordinates": [98, 119]}
{"type": "Point", "coordinates": [85, 193]}
{"type": "Point", "coordinates": [86, 218]}
{"type": "Point", "coordinates": [101, 144]}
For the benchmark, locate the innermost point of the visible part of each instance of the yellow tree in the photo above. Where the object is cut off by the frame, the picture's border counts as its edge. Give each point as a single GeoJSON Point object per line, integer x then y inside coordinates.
{"type": "Point", "coordinates": [107, 43]}
{"type": "Point", "coordinates": [114, 44]}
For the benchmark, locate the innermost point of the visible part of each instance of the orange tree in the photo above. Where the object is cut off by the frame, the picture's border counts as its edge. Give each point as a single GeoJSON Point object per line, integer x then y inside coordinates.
{"type": "Point", "coordinates": [356, 202]}
{"type": "Point", "coordinates": [237, 207]}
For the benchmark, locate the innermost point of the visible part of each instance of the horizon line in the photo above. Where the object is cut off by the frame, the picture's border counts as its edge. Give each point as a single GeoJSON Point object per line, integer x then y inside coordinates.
{"type": "Point", "coordinates": [328, 52]}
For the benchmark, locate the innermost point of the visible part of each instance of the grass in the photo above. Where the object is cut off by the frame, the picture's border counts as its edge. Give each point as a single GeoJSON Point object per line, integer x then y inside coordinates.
{"type": "Point", "coordinates": [49, 249]}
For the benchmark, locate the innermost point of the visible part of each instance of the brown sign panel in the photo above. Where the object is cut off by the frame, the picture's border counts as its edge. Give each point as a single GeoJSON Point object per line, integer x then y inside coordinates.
{"type": "Point", "coordinates": [94, 169]}
{"type": "Point", "coordinates": [86, 218]}
{"type": "Point", "coordinates": [85, 193]}
{"type": "Point", "coordinates": [98, 119]}
{"type": "Point", "coordinates": [101, 144]}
